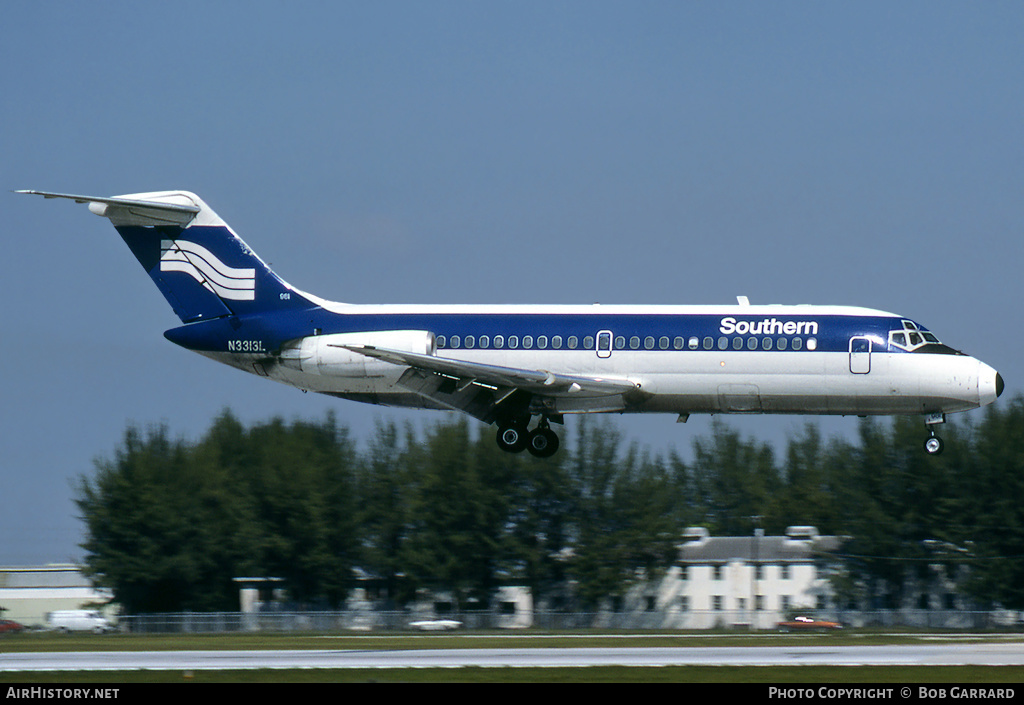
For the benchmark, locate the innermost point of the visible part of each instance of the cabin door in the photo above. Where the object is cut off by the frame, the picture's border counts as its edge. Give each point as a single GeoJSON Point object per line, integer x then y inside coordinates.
{"type": "Point", "coordinates": [860, 355]}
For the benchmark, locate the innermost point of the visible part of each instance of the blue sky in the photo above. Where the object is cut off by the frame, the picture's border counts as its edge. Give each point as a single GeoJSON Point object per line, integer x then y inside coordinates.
{"type": "Point", "coordinates": [489, 152]}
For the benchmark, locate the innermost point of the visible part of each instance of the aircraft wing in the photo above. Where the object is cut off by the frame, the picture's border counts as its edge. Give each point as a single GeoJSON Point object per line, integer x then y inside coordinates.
{"type": "Point", "coordinates": [477, 389]}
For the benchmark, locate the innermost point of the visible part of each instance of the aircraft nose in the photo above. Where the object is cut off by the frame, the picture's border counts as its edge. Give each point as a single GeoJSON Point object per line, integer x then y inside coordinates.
{"type": "Point", "coordinates": [990, 384]}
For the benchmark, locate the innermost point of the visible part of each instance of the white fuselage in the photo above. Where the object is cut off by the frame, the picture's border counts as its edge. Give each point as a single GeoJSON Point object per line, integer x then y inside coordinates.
{"type": "Point", "coordinates": [831, 378]}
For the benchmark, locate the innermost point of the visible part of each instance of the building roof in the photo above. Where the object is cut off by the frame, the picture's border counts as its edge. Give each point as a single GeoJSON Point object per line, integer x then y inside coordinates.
{"type": "Point", "coordinates": [797, 547]}
{"type": "Point", "coordinates": [56, 575]}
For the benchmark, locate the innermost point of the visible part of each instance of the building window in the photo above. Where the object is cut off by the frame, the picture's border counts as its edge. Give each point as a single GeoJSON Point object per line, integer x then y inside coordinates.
{"type": "Point", "coordinates": [716, 603]}
{"type": "Point", "coordinates": [716, 572]}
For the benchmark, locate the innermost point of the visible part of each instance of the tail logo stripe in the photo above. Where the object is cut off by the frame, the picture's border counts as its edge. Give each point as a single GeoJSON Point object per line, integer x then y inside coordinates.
{"type": "Point", "coordinates": [207, 269]}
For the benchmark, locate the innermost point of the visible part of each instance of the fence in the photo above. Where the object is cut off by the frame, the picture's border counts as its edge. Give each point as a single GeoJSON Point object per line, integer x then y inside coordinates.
{"type": "Point", "coordinates": [366, 621]}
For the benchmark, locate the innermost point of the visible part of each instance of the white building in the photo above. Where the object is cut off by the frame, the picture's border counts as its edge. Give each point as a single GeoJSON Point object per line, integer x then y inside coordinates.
{"type": "Point", "coordinates": [28, 593]}
{"type": "Point", "coordinates": [749, 581]}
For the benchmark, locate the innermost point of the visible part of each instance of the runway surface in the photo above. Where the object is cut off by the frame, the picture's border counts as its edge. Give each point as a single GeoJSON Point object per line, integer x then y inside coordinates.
{"type": "Point", "coordinates": [992, 654]}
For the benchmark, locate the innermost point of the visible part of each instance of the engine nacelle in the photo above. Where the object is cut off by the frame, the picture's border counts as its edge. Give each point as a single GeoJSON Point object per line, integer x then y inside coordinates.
{"type": "Point", "coordinates": [325, 354]}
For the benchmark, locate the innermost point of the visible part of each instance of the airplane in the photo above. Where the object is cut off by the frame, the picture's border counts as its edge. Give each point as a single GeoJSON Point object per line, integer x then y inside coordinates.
{"type": "Point", "coordinates": [507, 365]}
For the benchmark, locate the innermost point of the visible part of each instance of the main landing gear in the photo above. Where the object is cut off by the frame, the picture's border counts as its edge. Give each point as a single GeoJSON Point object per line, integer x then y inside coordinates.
{"type": "Point", "coordinates": [513, 437]}
{"type": "Point", "coordinates": [933, 445]}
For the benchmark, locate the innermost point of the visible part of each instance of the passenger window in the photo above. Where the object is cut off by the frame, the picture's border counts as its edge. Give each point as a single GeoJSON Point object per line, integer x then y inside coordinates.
{"type": "Point", "coordinates": [693, 343]}
{"type": "Point", "coordinates": [484, 341]}
{"type": "Point", "coordinates": [649, 342]}
{"type": "Point", "coordinates": [455, 340]}
{"type": "Point", "coordinates": [470, 341]}
{"type": "Point", "coordinates": [620, 342]}
{"type": "Point", "coordinates": [782, 344]}
{"type": "Point", "coordinates": [542, 342]}
{"type": "Point", "coordinates": [634, 343]}
{"type": "Point", "coordinates": [812, 343]}
{"type": "Point", "coordinates": [766, 344]}
{"type": "Point", "coordinates": [588, 342]}
{"type": "Point", "coordinates": [573, 342]}
{"type": "Point", "coordinates": [499, 341]}
{"type": "Point", "coordinates": [751, 343]}
{"type": "Point", "coordinates": [798, 343]}
{"type": "Point", "coordinates": [723, 343]}
{"type": "Point", "coordinates": [556, 342]}
{"type": "Point", "coordinates": [737, 343]}
{"type": "Point", "coordinates": [709, 342]}
{"type": "Point", "coordinates": [513, 341]}
{"type": "Point", "coordinates": [663, 342]}
{"type": "Point", "coordinates": [527, 341]}
{"type": "Point", "coordinates": [441, 341]}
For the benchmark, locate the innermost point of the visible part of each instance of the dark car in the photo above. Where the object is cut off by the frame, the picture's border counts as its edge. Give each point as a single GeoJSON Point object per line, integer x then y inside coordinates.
{"type": "Point", "coordinates": [9, 626]}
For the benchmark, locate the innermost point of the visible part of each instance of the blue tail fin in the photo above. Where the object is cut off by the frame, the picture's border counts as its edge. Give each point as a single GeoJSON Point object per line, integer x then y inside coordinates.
{"type": "Point", "coordinates": [200, 265]}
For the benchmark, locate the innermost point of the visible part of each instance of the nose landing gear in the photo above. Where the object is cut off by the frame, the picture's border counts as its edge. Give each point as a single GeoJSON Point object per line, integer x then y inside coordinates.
{"type": "Point", "coordinates": [933, 445]}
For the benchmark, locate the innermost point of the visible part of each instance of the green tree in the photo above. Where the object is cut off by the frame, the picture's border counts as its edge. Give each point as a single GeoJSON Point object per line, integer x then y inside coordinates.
{"type": "Point", "coordinates": [990, 530]}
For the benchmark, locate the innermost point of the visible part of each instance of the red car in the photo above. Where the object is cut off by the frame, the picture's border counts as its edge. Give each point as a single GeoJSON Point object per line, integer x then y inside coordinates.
{"type": "Point", "coordinates": [808, 624]}
{"type": "Point", "coordinates": [8, 626]}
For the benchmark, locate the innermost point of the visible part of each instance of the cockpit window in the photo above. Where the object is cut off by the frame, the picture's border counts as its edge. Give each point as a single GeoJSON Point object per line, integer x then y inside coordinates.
{"type": "Point", "coordinates": [913, 338]}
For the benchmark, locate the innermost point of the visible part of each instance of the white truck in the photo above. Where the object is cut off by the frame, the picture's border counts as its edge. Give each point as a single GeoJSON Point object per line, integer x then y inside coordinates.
{"type": "Point", "coordinates": [78, 621]}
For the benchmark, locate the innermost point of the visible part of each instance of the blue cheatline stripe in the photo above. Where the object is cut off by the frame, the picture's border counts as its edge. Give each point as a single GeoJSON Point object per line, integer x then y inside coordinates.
{"type": "Point", "coordinates": [274, 328]}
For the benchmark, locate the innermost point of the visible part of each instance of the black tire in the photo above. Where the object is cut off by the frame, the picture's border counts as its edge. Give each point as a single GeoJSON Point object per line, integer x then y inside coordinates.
{"type": "Point", "coordinates": [512, 439]}
{"type": "Point", "coordinates": [543, 443]}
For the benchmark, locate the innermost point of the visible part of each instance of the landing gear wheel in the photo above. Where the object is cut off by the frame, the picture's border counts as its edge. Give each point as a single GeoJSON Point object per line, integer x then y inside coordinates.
{"type": "Point", "coordinates": [933, 445]}
{"type": "Point", "coordinates": [512, 439]}
{"type": "Point", "coordinates": [543, 442]}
